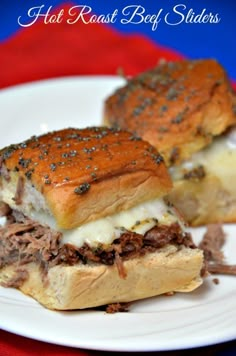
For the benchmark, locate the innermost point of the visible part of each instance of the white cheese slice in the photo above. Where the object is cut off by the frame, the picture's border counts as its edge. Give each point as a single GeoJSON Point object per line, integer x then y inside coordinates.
{"type": "Point", "coordinates": [3, 220]}
{"type": "Point", "coordinates": [139, 219]}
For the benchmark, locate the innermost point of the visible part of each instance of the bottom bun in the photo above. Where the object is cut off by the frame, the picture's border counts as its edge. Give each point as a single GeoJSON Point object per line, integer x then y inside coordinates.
{"type": "Point", "coordinates": [172, 268]}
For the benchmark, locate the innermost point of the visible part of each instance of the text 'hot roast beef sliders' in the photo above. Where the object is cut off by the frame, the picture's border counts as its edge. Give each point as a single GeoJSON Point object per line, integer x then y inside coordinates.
{"type": "Point", "coordinates": [186, 110]}
{"type": "Point", "coordinates": [84, 222]}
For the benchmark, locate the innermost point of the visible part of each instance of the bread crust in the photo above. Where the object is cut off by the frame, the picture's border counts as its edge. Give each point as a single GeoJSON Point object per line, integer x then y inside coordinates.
{"type": "Point", "coordinates": [169, 269]}
{"type": "Point", "coordinates": [85, 174]}
{"type": "Point", "coordinates": [178, 106]}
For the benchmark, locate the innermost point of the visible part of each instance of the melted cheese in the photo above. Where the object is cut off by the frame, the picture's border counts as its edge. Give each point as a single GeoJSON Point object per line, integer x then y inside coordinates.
{"type": "Point", "coordinates": [219, 159]}
{"type": "Point", "coordinates": [139, 219]}
{"type": "Point", "coordinates": [3, 220]}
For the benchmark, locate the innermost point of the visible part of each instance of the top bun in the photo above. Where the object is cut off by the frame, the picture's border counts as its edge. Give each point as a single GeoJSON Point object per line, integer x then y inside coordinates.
{"type": "Point", "coordinates": [177, 106]}
{"type": "Point", "coordinates": [85, 174]}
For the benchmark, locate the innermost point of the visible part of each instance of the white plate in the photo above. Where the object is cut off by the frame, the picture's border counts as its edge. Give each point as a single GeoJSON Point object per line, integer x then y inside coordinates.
{"type": "Point", "coordinates": [204, 317]}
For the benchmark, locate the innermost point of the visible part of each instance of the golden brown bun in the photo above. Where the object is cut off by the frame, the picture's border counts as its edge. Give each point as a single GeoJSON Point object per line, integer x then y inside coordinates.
{"type": "Point", "coordinates": [178, 106]}
{"type": "Point", "coordinates": [84, 286]}
{"type": "Point", "coordinates": [86, 174]}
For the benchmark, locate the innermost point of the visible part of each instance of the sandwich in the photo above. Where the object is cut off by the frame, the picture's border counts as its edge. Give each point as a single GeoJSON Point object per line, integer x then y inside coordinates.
{"type": "Point", "coordinates": [84, 222]}
{"type": "Point", "coordinates": [187, 110]}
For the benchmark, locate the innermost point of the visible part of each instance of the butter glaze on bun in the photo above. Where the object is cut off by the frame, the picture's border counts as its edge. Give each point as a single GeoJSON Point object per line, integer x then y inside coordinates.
{"type": "Point", "coordinates": [85, 174]}
{"type": "Point", "coordinates": [177, 106]}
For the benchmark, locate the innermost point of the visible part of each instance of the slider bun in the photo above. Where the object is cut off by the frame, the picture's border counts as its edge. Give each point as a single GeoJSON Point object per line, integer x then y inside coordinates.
{"type": "Point", "coordinates": [83, 286]}
{"type": "Point", "coordinates": [80, 175]}
{"type": "Point", "coordinates": [178, 106]}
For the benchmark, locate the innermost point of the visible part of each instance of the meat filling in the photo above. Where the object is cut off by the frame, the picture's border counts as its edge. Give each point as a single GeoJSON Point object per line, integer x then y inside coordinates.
{"type": "Point", "coordinates": [211, 244]}
{"type": "Point", "coordinates": [23, 240]}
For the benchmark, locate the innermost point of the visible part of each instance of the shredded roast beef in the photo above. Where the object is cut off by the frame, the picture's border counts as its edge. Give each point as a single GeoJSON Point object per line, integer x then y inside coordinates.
{"type": "Point", "coordinates": [128, 245]}
{"type": "Point", "coordinates": [211, 244]}
{"type": "Point", "coordinates": [220, 268]}
{"type": "Point", "coordinates": [23, 240]}
{"type": "Point", "coordinates": [117, 307]}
